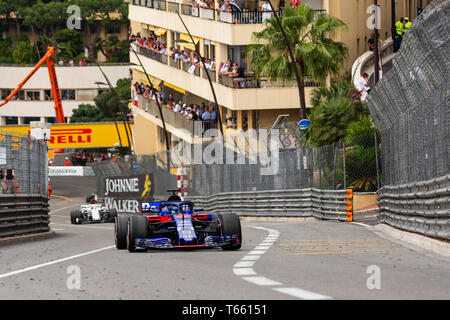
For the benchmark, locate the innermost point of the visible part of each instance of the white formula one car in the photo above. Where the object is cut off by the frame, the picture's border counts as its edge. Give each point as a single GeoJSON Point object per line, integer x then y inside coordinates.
{"type": "Point", "coordinates": [93, 212]}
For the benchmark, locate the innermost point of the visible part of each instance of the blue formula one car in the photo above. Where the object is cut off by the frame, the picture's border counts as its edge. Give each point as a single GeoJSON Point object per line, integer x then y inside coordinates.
{"type": "Point", "coordinates": [176, 224]}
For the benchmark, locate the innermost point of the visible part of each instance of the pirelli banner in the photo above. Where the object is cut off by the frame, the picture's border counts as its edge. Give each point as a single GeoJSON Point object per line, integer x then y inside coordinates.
{"type": "Point", "coordinates": [80, 135]}
{"type": "Point", "coordinates": [125, 193]}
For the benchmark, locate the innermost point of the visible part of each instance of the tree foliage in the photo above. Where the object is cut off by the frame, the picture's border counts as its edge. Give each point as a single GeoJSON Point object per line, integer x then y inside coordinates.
{"type": "Point", "coordinates": [70, 44]}
{"type": "Point", "coordinates": [98, 13]}
{"type": "Point", "coordinates": [115, 50]}
{"type": "Point", "coordinates": [310, 37]}
{"type": "Point", "coordinates": [107, 103]}
{"type": "Point", "coordinates": [24, 53]}
{"type": "Point", "coordinates": [87, 113]}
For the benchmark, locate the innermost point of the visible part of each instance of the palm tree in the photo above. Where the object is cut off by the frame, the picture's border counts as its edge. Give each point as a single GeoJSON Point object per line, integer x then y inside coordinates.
{"type": "Point", "coordinates": [310, 37]}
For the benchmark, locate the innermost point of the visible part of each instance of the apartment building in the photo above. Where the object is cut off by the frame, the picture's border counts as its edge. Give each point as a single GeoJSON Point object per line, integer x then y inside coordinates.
{"type": "Point", "coordinates": [219, 36]}
{"type": "Point", "coordinates": [78, 85]}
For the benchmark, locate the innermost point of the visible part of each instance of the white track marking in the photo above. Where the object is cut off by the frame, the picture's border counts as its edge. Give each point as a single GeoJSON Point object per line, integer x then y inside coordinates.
{"type": "Point", "coordinates": [362, 224]}
{"type": "Point", "coordinates": [12, 273]}
{"type": "Point", "coordinates": [244, 268]}
{"type": "Point", "coordinates": [257, 252]}
{"type": "Point", "coordinates": [260, 247]}
{"type": "Point", "coordinates": [244, 271]}
{"type": "Point", "coordinates": [262, 281]}
{"type": "Point", "coordinates": [244, 264]}
{"type": "Point", "coordinates": [251, 258]}
{"type": "Point", "coordinates": [302, 294]}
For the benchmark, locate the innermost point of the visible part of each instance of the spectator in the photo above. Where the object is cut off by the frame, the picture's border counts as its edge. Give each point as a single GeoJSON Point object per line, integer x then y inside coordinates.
{"type": "Point", "coordinates": [364, 83]}
{"type": "Point", "coordinates": [67, 162]}
{"type": "Point", "coordinates": [206, 115]}
{"type": "Point", "coordinates": [225, 67]}
{"type": "Point", "coordinates": [266, 9]}
{"type": "Point", "coordinates": [233, 123]}
{"type": "Point", "coordinates": [212, 111]}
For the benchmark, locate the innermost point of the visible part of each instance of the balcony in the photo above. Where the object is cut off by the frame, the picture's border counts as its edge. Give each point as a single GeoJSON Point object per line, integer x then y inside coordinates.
{"type": "Point", "coordinates": [246, 16]}
{"type": "Point", "coordinates": [175, 121]}
{"type": "Point", "coordinates": [255, 94]}
{"type": "Point", "coordinates": [248, 81]}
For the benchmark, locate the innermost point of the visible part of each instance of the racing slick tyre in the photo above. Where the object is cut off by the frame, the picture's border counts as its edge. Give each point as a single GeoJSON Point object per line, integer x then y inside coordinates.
{"type": "Point", "coordinates": [112, 214]}
{"type": "Point", "coordinates": [120, 231]}
{"type": "Point", "coordinates": [74, 215]}
{"type": "Point", "coordinates": [137, 228]}
{"type": "Point", "coordinates": [231, 224]}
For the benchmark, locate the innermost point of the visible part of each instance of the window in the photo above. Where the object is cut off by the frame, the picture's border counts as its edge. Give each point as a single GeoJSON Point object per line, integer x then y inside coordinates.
{"type": "Point", "coordinates": [86, 95]}
{"type": "Point", "coordinates": [48, 95]}
{"type": "Point", "coordinates": [11, 120]}
{"type": "Point", "coordinates": [255, 118]}
{"type": "Point", "coordinates": [209, 50]}
{"type": "Point", "coordinates": [67, 94]}
{"type": "Point", "coordinates": [5, 93]}
{"type": "Point", "coordinates": [27, 120]}
{"type": "Point", "coordinates": [20, 96]}
{"type": "Point", "coordinates": [113, 28]}
{"type": "Point", "coordinates": [33, 95]}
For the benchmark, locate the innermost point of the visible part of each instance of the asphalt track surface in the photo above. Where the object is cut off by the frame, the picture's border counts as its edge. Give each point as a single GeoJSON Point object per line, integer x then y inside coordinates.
{"type": "Point", "coordinates": [278, 260]}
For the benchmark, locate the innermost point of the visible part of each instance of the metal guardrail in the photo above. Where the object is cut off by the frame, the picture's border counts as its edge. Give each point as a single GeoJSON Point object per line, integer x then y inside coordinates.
{"type": "Point", "coordinates": [322, 204]}
{"type": "Point", "coordinates": [422, 207]}
{"type": "Point", "coordinates": [23, 214]}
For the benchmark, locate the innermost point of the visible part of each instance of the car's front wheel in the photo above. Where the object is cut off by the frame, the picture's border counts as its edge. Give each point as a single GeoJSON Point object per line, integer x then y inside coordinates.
{"type": "Point", "coordinates": [231, 226]}
{"type": "Point", "coordinates": [76, 217]}
{"type": "Point", "coordinates": [137, 229]}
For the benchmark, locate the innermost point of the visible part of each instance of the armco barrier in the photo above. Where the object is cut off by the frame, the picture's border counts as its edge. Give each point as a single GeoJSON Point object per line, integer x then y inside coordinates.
{"type": "Point", "coordinates": [322, 204]}
{"type": "Point", "coordinates": [23, 214]}
{"type": "Point", "coordinates": [422, 207]}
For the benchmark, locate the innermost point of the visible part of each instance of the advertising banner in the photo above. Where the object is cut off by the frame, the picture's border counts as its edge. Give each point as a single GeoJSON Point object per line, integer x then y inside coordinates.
{"type": "Point", "coordinates": [80, 135]}
{"type": "Point", "coordinates": [54, 171]}
{"type": "Point", "coordinates": [124, 193]}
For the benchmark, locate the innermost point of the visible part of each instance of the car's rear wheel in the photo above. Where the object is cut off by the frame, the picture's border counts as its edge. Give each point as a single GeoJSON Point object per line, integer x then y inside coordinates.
{"type": "Point", "coordinates": [120, 231]}
{"type": "Point", "coordinates": [76, 217]}
{"type": "Point", "coordinates": [137, 229]}
{"type": "Point", "coordinates": [231, 225]}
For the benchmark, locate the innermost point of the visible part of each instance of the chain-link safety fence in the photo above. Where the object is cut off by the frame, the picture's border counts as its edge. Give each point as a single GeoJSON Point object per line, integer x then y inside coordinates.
{"type": "Point", "coordinates": [410, 104]}
{"type": "Point", "coordinates": [410, 107]}
{"type": "Point", "coordinates": [352, 163]}
{"type": "Point", "coordinates": [23, 164]}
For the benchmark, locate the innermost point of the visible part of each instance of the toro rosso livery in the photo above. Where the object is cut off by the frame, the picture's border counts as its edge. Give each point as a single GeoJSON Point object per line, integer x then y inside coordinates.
{"type": "Point", "coordinates": [176, 224]}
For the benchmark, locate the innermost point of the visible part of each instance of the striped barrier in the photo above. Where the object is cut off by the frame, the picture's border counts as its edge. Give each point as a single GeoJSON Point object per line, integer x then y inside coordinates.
{"type": "Point", "coordinates": [422, 207]}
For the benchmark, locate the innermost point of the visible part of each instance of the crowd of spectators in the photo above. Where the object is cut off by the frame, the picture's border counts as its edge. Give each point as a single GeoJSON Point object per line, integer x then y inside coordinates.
{"type": "Point", "coordinates": [192, 112]}
{"type": "Point", "coordinates": [82, 158]}
{"type": "Point", "coordinates": [190, 57]}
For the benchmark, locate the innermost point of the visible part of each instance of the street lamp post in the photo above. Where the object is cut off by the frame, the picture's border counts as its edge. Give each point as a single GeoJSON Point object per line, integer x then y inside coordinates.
{"type": "Point", "coordinates": [98, 83]}
{"type": "Point", "coordinates": [376, 56]}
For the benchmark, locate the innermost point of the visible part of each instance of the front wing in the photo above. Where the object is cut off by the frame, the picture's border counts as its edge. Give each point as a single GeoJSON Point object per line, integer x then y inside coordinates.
{"type": "Point", "coordinates": [166, 243]}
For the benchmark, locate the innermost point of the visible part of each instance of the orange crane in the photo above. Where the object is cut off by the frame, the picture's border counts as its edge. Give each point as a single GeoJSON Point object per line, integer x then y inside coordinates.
{"type": "Point", "coordinates": [48, 58]}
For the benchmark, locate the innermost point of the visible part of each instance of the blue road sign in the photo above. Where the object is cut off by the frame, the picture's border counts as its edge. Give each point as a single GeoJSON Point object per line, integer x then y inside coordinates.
{"type": "Point", "coordinates": [303, 125]}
